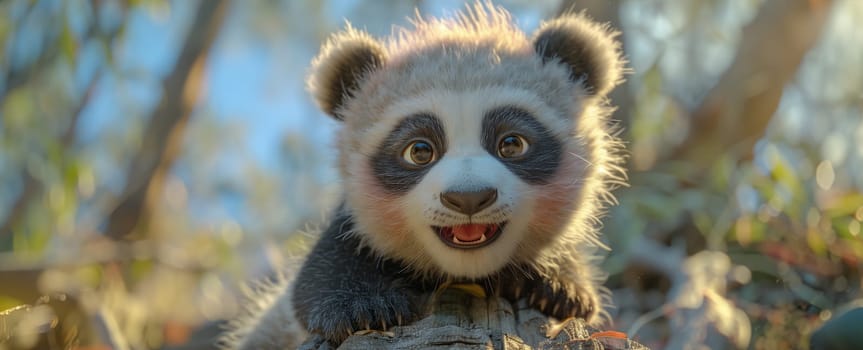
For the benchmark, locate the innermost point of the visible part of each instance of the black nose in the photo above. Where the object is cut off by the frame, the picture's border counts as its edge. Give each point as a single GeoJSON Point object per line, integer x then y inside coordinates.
{"type": "Point", "coordinates": [469, 202]}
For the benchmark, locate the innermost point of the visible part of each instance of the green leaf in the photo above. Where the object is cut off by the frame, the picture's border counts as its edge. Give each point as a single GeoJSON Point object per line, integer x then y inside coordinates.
{"type": "Point", "coordinates": [18, 109]}
{"type": "Point", "coordinates": [68, 44]}
{"type": "Point", "coordinates": [141, 268]}
{"type": "Point", "coordinates": [816, 242]}
{"type": "Point", "coordinates": [844, 205]}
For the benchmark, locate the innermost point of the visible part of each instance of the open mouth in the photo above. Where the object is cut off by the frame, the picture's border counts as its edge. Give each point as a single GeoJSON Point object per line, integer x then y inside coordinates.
{"type": "Point", "coordinates": [469, 236]}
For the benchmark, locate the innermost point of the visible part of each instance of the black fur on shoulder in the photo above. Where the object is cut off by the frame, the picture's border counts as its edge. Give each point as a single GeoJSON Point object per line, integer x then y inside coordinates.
{"type": "Point", "coordinates": [587, 48]}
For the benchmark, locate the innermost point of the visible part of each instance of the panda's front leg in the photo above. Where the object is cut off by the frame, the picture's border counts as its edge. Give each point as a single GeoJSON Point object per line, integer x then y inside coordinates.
{"type": "Point", "coordinates": [557, 295]}
{"type": "Point", "coordinates": [341, 289]}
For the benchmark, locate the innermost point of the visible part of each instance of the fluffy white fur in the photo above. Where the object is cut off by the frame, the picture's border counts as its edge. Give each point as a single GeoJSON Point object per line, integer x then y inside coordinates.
{"type": "Point", "coordinates": [477, 60]}
{"type": "Point", "coordinates": [457, 68]}
{"type": "Point", "coordinates": [267, 320]}
{"type": "Point", "coordinates": [465, 162]}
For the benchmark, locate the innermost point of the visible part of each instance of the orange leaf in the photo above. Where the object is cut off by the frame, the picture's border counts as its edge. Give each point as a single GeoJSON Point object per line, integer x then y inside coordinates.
{"type": "Point", "coordinates": [608, 334]}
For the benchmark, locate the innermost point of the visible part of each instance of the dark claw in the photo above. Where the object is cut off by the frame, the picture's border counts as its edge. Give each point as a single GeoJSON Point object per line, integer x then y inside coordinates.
{"type": "Point", "coordinates": [568, 301]}
{"type": "Point", "coordinates": [337, 318]}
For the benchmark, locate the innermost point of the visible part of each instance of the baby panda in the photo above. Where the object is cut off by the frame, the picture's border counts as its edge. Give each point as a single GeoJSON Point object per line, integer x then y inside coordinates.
{"type": "Point", "coordinates": [470, 153]}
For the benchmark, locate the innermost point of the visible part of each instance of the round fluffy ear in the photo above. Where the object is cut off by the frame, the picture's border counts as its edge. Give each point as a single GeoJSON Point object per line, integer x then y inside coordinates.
{"type": "Point", "coordinates": [345, 60]}
{"type": "Point", "coordinates": [587, 48]}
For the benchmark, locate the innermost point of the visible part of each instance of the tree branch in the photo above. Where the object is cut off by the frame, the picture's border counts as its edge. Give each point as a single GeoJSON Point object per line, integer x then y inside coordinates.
{"type": "Point", "coordinates": [465, 321]}
{"type": "Point", "coordinates": [163, 137]}
{"type": "Point", "coordinates": [737, 110]}
{"type": "Point", "coordinates": [32, 187]}
{"type": "Point", "coordinates": [15, 78]}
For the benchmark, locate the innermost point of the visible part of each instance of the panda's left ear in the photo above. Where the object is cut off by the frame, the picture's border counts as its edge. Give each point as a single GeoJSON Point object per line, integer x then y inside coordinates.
{"type": "Point", "coordinates": [344, 62]}
{"type": "Point", "coordinates": [588, 49]}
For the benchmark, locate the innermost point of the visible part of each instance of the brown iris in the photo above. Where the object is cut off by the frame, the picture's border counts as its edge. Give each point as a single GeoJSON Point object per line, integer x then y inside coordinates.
{"type": "Point", "coordinates": [419, 152]}
{"type": "Point", "coordinates": [512, 146]}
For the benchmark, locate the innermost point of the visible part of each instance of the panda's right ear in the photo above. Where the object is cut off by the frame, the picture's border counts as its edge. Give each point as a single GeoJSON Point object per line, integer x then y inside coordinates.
{"type": "Point", "coordinates": [345, 60]}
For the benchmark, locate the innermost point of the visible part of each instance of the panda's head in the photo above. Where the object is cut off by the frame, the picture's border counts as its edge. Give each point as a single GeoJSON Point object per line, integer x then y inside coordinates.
{"type": "Point", "coordinates": [466, 144]}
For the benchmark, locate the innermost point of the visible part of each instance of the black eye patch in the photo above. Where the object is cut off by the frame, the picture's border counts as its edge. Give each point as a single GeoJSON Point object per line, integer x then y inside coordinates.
{"type": "Point", "coordinates": [391, 171]}
{"type": "Point", "coordinates": [544, 152]}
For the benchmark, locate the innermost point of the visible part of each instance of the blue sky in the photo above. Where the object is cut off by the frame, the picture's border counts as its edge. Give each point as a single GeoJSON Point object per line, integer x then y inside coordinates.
{"type": "Point", "coordinates": [255, 78]}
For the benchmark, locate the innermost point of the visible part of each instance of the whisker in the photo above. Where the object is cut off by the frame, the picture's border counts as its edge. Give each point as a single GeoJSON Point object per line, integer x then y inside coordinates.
{"type": "Point", "coordinates": [589, 163]}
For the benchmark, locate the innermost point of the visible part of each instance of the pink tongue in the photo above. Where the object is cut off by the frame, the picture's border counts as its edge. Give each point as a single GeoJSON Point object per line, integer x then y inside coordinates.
{"type": "Point", "coordinates": [468, 233]}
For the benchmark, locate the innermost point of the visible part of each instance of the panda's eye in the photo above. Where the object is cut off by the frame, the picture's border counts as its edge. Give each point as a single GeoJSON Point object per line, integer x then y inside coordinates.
{"type": "Point", "coordinates": [512, 146]}
{"type": "Point", "coordinates": [419, 152]}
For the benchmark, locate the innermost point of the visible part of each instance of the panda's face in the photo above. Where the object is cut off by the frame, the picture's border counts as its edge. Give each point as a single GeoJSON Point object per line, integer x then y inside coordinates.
{"type": "Point", "coordinates": [467, 145]}
{"type": "Point", "coordinates": [468, 171]}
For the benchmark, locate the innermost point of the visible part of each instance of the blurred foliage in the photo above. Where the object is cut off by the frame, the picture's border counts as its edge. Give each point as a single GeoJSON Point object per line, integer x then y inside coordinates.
{"type": "Point", "coordinates": [787, 214]}
{"type": "Point", "coordinates": [766, 240]}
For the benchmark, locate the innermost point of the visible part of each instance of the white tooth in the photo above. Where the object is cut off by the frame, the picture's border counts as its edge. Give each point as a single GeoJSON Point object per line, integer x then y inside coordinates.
{"type": "Point", "coordinates": [480, 240]}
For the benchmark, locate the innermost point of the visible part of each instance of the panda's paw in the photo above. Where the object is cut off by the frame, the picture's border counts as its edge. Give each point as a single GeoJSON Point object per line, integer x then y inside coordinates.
{"type": "Point", "coordinates": [564, 300]}
{"type": "Point", "coordinates": [339, 316]}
